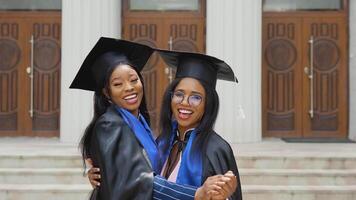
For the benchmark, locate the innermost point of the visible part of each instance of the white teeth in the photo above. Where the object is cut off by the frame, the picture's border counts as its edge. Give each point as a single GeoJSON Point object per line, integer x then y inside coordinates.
{"type": "Point", "coordinates": [130, 96]}
{"type": "Point", "coordinates": [185, 111]}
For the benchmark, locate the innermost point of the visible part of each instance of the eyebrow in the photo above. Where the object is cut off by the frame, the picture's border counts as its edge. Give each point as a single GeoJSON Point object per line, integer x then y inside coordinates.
{"type": "Point", "coordinates": [130, 75]}
{"type": "Point", "coordinates": [116, 78]}
{"type": "Point", "coordinates": [193, 92]}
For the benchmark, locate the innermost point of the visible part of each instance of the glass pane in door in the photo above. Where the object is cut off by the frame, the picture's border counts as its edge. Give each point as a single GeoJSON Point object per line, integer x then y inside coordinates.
{"type": "Point", "coordinates": [295, 5]}
{"type": "Point", "coordinates": [30, 4]}
{"type": "Point", "coordinates": [164, 5]}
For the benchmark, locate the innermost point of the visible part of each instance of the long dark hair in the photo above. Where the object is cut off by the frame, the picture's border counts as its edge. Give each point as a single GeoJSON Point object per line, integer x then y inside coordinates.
{"type": "Point", "coordinates": [206, 123]}
{"type": "Point", "coordinates": [101, 103]}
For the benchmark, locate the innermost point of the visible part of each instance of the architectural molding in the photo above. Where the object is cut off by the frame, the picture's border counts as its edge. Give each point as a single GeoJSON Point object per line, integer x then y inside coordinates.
{"type": "Point", "coordinates": [352, 70]}
{"type": "Point", "coordinates": [83, 22]}
{"type": "Point", "coordinates": [237, 41]}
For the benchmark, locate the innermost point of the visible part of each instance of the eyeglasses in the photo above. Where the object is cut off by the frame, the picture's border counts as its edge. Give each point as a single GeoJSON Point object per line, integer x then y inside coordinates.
{"type": "Point", "coordinates": [193, 100]}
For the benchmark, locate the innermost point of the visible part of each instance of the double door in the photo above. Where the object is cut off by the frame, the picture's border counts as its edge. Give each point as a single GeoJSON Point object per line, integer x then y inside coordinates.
{"type": "Point", "coordinates": [174, 30]}
{"type": "Point", "coordinates": [30, 60]}
{"type": "Point", "coordinates": [304, 74]}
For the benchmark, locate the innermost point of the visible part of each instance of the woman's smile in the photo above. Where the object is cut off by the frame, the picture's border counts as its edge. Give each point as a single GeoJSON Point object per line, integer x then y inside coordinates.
{"type": "Point", "coordinates": [184, 113]}
{"type": "Point", "coordinates": [131, 99]}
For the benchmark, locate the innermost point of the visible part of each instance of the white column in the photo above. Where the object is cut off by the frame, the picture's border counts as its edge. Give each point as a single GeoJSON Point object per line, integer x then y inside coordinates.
{"type": "Point", "coordinates": [83, 22]}
{"type": "Point", "coordinates": [234, 35]}
{"type": "Point", "coordinates": [352, 67]}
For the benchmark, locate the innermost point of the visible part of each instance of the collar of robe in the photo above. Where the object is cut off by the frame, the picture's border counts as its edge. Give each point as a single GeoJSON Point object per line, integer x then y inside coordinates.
{"type": "Point", "coordinates": [145, 136]}
{"type": "Point", "coordinates": [183, 143]}
{"type": "Point", "coordinates": [191, 168]}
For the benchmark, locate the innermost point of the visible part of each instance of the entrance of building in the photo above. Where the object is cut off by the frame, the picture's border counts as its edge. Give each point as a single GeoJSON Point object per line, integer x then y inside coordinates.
{"type": "Point", "coordinates": [30, 63]}
{"type": "Point", "coordinates": [304, 70]}
{"type": "Point", "coordinates": [174, 25]}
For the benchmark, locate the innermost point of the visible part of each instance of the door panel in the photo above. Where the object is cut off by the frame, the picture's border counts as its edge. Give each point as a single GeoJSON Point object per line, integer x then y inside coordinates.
{"type": "Point", "coordinates": [281, 77]}
{"type": "Point", "coordinates": [294, 104]}
{"type": "Point", "coordinates": [329, 92]}
{"type": "Point", "coordinates": [47, 62]}
{"type": "Point", "coordinates": [187, 34]}
{"type": "Point", "coordinates": [12, 45]}
{"type": "Point", "coordinates": [45, 28]}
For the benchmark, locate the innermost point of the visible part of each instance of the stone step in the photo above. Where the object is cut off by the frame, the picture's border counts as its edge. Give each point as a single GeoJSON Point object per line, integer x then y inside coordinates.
{"type": "Point", "coordinates": [40, 161]}
{"type": "Point", "coordinates": [250, 192]}
{"type": "Point", "coordinates": [243, 161]}
{"type": "Point", "coordinates": [42, 176]}
{"type": "Point", "coordinates": [44, 192]}
{"type": "Point", "coordinates": [282, 192]}
{"type": "Point", "coordinates": [303, 161]}
{"type": "Point", "coordinates": [316, 177]}
{"type": "Point", "coordinates": [248, 176]}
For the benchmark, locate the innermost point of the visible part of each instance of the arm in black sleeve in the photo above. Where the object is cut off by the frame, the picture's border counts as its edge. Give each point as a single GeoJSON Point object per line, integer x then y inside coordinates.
{"type": "Point", "coordinates": [219, 159]}
{"type": "Point", "coordinates": [125, 171]}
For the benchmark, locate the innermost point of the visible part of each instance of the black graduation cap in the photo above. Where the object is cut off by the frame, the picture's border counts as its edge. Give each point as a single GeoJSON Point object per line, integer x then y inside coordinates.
{"type": "Point", "coordinates": [202, 67]}
{"type": "Point", "coordinates": [105, 53]}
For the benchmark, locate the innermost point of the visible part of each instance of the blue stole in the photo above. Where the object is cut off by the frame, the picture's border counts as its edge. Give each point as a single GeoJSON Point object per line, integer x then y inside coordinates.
{"type": "Point", "coordinates": [191, 167]}
{"type": "Point", "coordinates": [144, 134]}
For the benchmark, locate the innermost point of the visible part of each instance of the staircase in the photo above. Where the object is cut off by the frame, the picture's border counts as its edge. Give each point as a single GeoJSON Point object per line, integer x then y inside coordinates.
{"type": "Point", "coordinates": [42, 171]}
{"type": "Point", "coordinates": [50, 170]}
{"type": "Point", "coordinates": [297, 171]}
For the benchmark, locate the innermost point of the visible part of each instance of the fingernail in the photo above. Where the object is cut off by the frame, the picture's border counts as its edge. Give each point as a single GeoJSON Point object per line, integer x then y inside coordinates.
{"type": "Point", "coordinates": [98, 184]}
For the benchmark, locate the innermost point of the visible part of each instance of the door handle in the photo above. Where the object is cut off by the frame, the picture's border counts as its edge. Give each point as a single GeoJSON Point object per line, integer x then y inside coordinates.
{"type": "Point", "coordinates": [169, 70]}
{"type": "Point", "coordinates": [29, 71]}
{"type": "Point", "coordinates": [309, 71]}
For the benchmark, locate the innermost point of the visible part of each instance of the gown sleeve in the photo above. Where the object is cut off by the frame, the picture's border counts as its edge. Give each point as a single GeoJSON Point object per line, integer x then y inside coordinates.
{"type": "Point", "coordinates": [125, 170]}
{"type": "Point", "coordinates": [218, 160]}
{"type": "Point", "coordinates": [166, 190]}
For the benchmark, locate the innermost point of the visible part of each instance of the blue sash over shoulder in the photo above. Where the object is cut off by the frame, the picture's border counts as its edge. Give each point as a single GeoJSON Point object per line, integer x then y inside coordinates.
{"type": "Point", "coordinates": [144, 134]}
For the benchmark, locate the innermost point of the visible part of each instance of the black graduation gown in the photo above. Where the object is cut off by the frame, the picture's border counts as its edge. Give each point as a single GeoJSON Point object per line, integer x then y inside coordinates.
{"type": "Point", "coordinates": [124, 167]}
{"type": "Point", "coordinates": [219, 159]}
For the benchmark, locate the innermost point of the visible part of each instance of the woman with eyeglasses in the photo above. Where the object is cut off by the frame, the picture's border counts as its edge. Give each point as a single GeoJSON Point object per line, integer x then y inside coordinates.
{"type": "Point", "coordinates": [188, 113]}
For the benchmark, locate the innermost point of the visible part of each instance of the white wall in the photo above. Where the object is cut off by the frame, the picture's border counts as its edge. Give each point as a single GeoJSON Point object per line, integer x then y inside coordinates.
{"type": "Point", "coordinates": [83, 22]}
{"type": "Point", "coordinates": [234, 35]}
{"type": "Point", "coordinates": [352, 66]}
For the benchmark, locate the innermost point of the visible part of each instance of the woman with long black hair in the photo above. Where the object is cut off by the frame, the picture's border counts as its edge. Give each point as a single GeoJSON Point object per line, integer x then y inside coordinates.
{"type": "Point", "coordinates": [119, 130]}
{"type": "Point", "coordinates": [188, 114]}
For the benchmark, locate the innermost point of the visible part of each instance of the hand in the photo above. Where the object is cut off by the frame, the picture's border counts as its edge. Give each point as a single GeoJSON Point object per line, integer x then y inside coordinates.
{"type": "Point", "coordinates": [210, 188]}
{"type": "Point", "coordinates": [229, 186]}
{"type": "Point", "coordinates": [232, 184]}
{"type": "Point", "coordinates": [93, 174]}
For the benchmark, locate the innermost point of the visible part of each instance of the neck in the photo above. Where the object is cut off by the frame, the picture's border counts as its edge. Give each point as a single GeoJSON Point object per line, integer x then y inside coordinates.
{"type": "Point", "coordinates": [182, 131]}
{"type": "Point", "coordinates": [134, 112]}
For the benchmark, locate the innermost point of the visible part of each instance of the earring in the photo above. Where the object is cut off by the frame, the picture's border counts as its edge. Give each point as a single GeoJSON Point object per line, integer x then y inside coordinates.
{"type": "Point", "coordinates": [108, 99]}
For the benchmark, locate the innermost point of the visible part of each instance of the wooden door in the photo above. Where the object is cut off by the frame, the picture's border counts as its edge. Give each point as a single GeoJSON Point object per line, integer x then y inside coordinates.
{"type": "Point", "coordinates": [21, 96]}
{"type": "Point", "coordinates": [288, 93]}
{"type": "Point", "coordinates": [281, 77]}
{"type": "Point", "coordinates": [177, 30]}
{"type": "Point", "coordinates": [329, 90]}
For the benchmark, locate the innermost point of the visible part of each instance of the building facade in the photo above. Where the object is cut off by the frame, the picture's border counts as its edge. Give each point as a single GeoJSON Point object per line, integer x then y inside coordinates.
{"type": "Point", "coordinates": [237, 32]}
